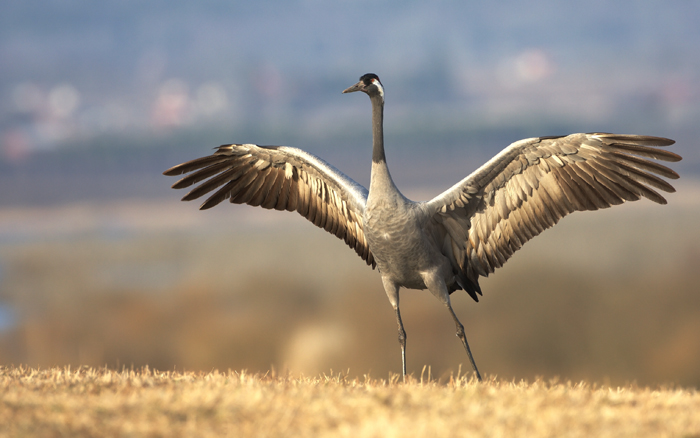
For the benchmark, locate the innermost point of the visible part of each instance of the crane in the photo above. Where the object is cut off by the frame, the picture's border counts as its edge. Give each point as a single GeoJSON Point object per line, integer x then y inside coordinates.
{"type": "Point", "coordinates": [464, 233]}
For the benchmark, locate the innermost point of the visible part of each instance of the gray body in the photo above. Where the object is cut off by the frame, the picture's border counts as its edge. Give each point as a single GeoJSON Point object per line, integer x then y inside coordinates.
{"type": "Point", "coordinates": [466, 232]}
{"type": "Point", "coordinates": [395, 229]}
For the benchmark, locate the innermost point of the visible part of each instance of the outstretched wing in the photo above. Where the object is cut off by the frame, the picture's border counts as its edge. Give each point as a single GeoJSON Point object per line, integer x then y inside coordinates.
{"type": "Point", "coordinates": [530, 185]}
{"type": "Point", "coordinates": [282, 178]}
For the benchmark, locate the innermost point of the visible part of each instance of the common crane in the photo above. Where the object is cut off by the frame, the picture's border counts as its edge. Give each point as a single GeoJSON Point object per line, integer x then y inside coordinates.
{"type": "Point", "coordinates": [466, 232]}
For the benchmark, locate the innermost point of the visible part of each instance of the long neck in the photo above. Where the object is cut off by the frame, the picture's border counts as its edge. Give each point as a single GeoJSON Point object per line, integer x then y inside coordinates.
{"type": "Point", "coordinates": [380, 180]}
{"type": "Point", "coordinates": [378, 130]}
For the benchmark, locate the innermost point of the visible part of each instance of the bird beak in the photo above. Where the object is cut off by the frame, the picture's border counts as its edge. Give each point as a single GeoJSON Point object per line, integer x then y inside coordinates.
{"type": "Point", "coordinates": [357, 87]}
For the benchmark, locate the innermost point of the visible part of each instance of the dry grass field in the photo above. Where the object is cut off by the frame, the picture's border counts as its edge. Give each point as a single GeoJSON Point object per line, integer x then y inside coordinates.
{"type": "Point", "coordinates": [87, 402]}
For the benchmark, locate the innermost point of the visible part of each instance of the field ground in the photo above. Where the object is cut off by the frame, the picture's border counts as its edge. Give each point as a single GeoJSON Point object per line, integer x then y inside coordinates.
{"type": "Point", "coordinates": [102, 402]}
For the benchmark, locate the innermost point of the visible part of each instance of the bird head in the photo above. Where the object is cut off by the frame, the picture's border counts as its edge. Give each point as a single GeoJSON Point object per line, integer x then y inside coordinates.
{"type": "Point", "coordinates": [369, 83]}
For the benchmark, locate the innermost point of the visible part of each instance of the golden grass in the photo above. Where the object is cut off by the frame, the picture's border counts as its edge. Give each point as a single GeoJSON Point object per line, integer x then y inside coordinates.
{"type": "Point", "coordinates": [103, 402]}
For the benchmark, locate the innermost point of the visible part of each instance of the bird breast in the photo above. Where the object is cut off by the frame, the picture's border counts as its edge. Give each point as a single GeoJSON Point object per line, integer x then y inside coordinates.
{"type": "Point", "coordinates": [399, 244]}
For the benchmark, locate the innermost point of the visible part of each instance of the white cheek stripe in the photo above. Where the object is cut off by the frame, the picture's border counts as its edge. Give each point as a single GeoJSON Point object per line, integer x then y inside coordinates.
{"type": "Point", "coordinates": [379, 87]}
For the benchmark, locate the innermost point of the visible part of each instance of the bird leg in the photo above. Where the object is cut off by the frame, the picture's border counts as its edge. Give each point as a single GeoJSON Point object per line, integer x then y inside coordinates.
{"type": "Point", "coordinates": [402, 341]}
{"type": "Point", "coordinates": [436, 286]}
{"type": "Point", "coordinates": [392, 292]}
{"type": "Point", "coordinates": [462, 337]}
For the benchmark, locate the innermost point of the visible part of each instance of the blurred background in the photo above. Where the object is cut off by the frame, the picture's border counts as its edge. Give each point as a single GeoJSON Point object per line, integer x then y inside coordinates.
{"type": "Point", "coordinates": [101, 264]}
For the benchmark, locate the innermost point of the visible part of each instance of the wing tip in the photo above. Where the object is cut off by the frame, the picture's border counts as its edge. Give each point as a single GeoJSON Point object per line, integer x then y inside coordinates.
{"type": "Point", "coordinates": [206, 205]}
{"type": "Point", "coordinates": [672, 157]}
{"type": "Point", "coordinates": [646, 140]}
{"type": "Point", "coordinates": [174, 171]}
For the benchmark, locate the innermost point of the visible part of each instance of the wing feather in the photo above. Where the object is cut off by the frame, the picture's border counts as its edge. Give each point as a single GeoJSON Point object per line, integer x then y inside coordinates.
{"type": "Point", "coordinates": [280, 178]}
{"type": "Point", "coordinates": [529, 186]}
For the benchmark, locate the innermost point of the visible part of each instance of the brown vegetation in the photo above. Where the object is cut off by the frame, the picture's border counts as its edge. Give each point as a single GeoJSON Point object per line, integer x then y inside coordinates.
{"type": "Point", "coordinates": [102, 402]}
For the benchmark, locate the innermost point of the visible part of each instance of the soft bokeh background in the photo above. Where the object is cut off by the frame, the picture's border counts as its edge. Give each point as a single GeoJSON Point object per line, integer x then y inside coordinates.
{"type": "Point", "coordinates": [100, 264]}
